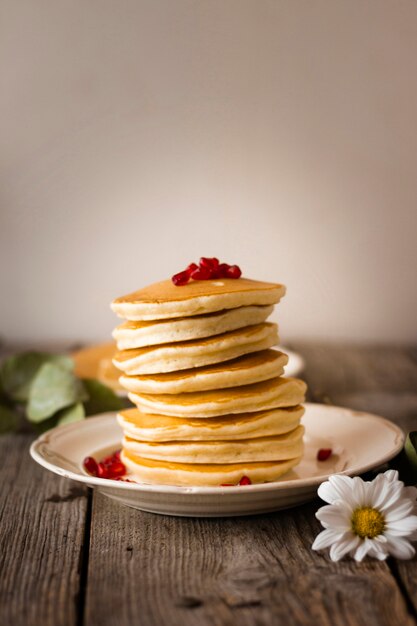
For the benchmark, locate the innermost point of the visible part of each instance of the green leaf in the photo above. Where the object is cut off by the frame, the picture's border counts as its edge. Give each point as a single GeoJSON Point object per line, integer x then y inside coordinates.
{"type": "Point", "coordinates": [74, 413]}
{"type": "Point", "coordinates": [101, 398]}
{"type": "Point", "coordinates": [9, 420]}
{"type": "Point", "coordinates": [52, 389]}
{"type": "Point", "coordinates": [18, 372]}
{"type": "Point", "coordinates": [410, 449]}
{"type": "Point", "coordinates": [406, 461]}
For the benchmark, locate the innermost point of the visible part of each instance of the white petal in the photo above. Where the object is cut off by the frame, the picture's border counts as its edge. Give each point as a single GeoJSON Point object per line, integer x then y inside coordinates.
{"type": "Point", "coordinates": [336, 488]}
{"type": "Point", "coordinates": [398, 511]}
{"type": "Point", "coordinates": [381, 491]}
{"type": "Point", "coordinates": [359, 491]}
{"type": "Point", "coordinates": [391, 475]}
{"type": "Point", "coordinates": [400, 548]}
{"type": "Point", "coordinates": [403, 527]}
{"type": "Point", "coordinates": [344, 546]}
{"type": "Point", "coordinates": [374, 488]}
{"type": "Point", "coordinates": [333, 516]}
{"type": "Point", "coordinates": [389, 495]}
{"type": "Point", "coordinates": [378, 550]}
{"type": "Point", "coordinates": [362, 549]}
{"type": "Point", "coordinates": [326, 538]}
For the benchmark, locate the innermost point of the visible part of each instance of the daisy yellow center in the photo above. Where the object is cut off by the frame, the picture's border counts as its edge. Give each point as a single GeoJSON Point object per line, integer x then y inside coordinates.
{"type": "Point", "coordinates": [367, 522]}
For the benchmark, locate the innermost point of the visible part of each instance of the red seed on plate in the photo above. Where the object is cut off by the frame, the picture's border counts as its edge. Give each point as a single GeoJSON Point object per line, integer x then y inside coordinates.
{"type": "Point", "coordinates": [323, 454]}
{"type": "Point", "coordinates": [117, 454]}
{"type": "Point", "coordinates": [234, 271]}
{"type": "Point", "coordinates": [90, 465]}
{"type": "Point", "coordinates": [245, 480]}
{"type": "Point", "coordinates": [102, 471]}
{"type": "Point", "coordinates": [116, 469]}
{"type": "Point", "coordinates": [181, 278]}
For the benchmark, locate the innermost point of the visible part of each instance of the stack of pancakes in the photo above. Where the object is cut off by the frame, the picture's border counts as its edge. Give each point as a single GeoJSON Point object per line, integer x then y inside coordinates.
{"type": "Point", "coordinates": [212, 404]}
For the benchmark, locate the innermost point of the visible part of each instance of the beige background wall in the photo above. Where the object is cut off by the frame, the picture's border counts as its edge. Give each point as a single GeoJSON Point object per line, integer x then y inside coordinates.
{"type": "Point", "coordinates": [281, 135]}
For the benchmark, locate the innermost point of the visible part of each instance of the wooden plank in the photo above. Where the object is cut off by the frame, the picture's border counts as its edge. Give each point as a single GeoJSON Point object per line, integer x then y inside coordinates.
{"type": "Point", "coordinates": [154, 570]}
{"type": "Point", "coordinates": [378, 379]}
{"type": "Point", "coordinates": [42, 524]}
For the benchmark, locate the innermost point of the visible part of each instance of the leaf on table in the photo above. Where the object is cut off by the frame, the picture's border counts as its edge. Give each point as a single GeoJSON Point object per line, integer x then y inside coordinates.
{"type": "Point", "coordinates": [18, 372]}
{"type": "Point", "coordinates": [54, 387]}
{"type": "Point", "coordinates": [100, 398]}
{"type": "Point", "coordinates": [74, 413]}
{"type": "Point", "coordinates": [410, 449]}
{"type": "Point", "coordinates": [406, 461]}
{"type": "Point", "coordinates": [9, 420]}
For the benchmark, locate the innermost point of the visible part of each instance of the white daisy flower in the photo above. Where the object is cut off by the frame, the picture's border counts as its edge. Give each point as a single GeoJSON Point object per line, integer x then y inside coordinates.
{"type": "Point", "coordinates": [375, 518]}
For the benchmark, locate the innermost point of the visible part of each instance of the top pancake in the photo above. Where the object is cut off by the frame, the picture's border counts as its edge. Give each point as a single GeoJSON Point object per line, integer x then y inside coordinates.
{"type": "Point", "coordinates": [165, 300]}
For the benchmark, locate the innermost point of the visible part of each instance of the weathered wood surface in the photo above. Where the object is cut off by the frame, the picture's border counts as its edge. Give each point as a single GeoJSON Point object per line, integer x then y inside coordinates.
{"type": "Point", "coordinates": [147, 569]}
{"type": "Point", "coordinates": [139, 568]}
{"type": "Point", "coordinates": [42, 525]}
{"type": "Point", "coordinates": [381, 380]}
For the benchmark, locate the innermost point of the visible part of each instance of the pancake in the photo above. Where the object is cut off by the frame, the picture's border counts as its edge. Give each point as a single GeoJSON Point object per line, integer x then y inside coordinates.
{"type": "Point", "coordinates": [276, 448]}
{"type": "Point", "coordinates": [269, 394]}
{"type": "Point", "coordinates": [165, 300]}
{"type": "Point", "coordinates": [157, 428]}
{"type": "Point", "coordinates": [140, 334]}
{"type": "Point", "coordinates": [198, 352]}
{"type": "Point", "coordinates": [247, 369]}
{"type": "Point", "coordinates": [96, 362]}
{"type": "Point", "coordinates": [166, 473]}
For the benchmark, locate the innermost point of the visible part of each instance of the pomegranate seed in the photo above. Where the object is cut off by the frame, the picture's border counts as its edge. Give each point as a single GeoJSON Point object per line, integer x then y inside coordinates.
{"type": "Point", "coordinates": [323, 454]}
{"type": "Point", "coordinates": [223, 269]}
{"type": "Point", "coordinates": [117, 455]}
{"type": "Point", "coordinates": [245, 480]}
{"type": "Point", "coordinates": [233, 271]}
{"type": "Point", "coordinates": [90, 465]}
{"type": "Point", "coordinates": [102, 471]}
{"type": "Point", "coordinates": [201, 274]}
{"type": "Point", "coordinates": [116, 469]}
{"type": "Point", "coordinates": [191, 268]}
{"type": "Point", "coordinates": [208, 268]}
{"type": "Point", "coordinates": [181, 278]}
{"type": "Point", "coordinates": [209, 263]}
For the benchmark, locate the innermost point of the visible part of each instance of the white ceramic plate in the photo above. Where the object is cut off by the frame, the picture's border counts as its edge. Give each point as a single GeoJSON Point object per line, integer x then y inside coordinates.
{"type": "Point", "coordinates": [295, 364]}
{"type": "Point", "coordinates": [360, 442]}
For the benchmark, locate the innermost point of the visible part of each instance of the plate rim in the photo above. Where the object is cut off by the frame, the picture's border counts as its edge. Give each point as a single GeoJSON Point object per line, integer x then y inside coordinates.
{"type": "Point", "coordinates": [282, 485]}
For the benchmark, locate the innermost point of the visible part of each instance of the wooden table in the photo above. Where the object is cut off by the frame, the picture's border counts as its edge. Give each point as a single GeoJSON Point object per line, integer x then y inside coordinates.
{"type": "Point", "coordinates": [70, 557]}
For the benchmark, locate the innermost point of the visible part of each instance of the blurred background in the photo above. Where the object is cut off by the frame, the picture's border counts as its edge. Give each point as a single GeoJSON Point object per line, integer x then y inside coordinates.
{"type": "Point", "coordinates": [139, 135]}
